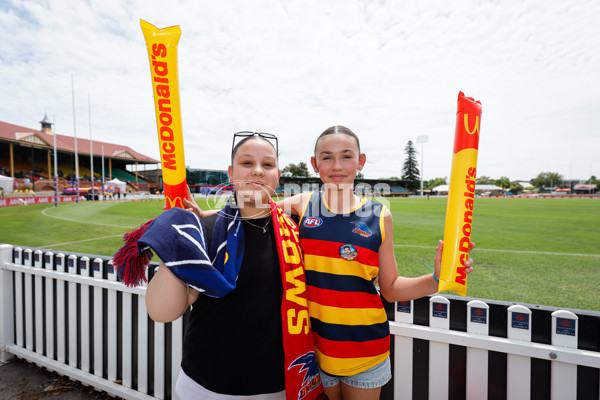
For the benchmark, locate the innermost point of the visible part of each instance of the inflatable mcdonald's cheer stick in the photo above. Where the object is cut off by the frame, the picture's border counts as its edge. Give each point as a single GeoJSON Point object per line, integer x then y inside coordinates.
{"type": "Point", "coordinates": [459, 211]}
{"type": "Point", "coordinates": [162, 54]}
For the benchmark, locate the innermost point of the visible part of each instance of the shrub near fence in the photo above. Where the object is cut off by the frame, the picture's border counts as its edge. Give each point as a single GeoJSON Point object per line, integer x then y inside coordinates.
{"type": "Point", "coordinates": [68, 313]}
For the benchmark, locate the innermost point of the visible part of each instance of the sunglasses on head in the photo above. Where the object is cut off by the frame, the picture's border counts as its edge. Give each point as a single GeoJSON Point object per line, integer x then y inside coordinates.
{"type": "Point", "coordinates": [247, 134]}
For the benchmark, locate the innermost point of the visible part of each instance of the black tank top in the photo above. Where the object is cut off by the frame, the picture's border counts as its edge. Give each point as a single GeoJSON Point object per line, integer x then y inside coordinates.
{"type": "Point", "coordinates": [234, 345]}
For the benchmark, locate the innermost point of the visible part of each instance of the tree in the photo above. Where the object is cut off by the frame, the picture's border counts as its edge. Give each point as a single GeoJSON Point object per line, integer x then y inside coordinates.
{"type": "Point", "coordinates": [359, 175]}
{"type": "Point", "coordinates": [503, 182]}
{"type": "Point", "coordinates": [435, 182]}
{"type": "Point", "coordinates": [484, 180]}
{"type": "Point", "coordinates": [547, 179]}
{"type": "Point", "coordinates": [296, 170]}
{"type": "Point", "coordinates": [410, 170]}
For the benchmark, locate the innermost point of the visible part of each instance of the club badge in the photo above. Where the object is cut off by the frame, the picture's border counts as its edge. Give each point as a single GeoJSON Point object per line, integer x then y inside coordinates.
{"type": "Point", "coordinates": [361, 228]}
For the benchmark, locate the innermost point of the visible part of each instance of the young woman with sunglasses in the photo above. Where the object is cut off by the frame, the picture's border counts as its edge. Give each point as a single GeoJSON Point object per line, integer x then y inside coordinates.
{"type": "Point", "coordinates": [234, 345]}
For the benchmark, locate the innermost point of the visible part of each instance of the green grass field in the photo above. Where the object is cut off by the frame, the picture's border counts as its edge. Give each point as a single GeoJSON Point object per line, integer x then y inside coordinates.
{"type": "Point", "coordinates": [536, 251]}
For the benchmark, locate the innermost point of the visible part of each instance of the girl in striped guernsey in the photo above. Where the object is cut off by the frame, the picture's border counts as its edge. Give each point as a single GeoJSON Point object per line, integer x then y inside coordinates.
{"type": "Point", "coordinates": [347, 242]}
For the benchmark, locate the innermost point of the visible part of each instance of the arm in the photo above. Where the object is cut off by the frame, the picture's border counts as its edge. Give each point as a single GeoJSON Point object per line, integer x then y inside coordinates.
{"type": "Point", "coordinates": [167, 297]}
{"type": "Point", "coordinates": [399, 288]}
{"type": "Point", "coordinates": [294, 205]}
{"type": "Point", "coordinates": [193, 207]}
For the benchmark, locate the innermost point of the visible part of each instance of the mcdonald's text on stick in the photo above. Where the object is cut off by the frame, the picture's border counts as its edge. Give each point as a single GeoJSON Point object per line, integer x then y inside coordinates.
{"type": "Point", "coordinates": [461, 196]}
{"type": "Point", "coordinates": [162, 54]}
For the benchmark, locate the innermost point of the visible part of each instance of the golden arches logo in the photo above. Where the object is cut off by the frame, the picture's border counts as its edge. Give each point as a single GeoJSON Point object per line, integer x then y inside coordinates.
{"type": "Point", "coordinates": [176, 202]}
{"type": "Point", "coordinates": [475, 128]}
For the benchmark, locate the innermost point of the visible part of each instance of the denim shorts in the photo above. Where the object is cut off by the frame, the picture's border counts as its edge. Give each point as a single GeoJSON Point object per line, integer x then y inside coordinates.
{"type": "Point", "coordinates": [374, 377]}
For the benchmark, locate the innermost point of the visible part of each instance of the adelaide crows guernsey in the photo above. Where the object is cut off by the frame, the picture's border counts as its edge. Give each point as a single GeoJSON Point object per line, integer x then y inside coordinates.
{"type": "Point", "coordinates": [341, 257]}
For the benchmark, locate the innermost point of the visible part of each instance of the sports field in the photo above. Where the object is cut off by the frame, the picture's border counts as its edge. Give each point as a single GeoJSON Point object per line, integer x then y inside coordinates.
{"type": "Point", "coordinates": [536, 251]}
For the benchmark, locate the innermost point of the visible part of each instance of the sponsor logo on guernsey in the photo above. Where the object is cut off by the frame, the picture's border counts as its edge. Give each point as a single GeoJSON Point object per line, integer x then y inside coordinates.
{"type": "Point", "coordinates": [313, 222]}
{"type": "Point", "coordinates": [361, 228]}
{"type": "Point", "coordinates": [348, 252]}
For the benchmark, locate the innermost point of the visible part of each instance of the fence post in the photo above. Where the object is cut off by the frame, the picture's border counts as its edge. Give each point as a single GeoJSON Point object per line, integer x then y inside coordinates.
{"type": "Point", "coordinates": [49, 309]}
{"type": "Point", "coordinates": [19, 315]}
{"type": "Point", "coordinates": [176, 353]}
{"type": "Point", "coordinates": [84, 319]}
{"type": "Point", "coordinates": [127, 339]}
{"type": "Point", "coordinates": [61, 318]}
{"type": "Point", "coordinates": [477, 360]}
{"type": "Point", "coordinates": [98, 320]}
{"type": "Point", "coordinates": [518, 368]}
{"type": "Point", "coordinates": [159, 360]}
{"type": "Point", "coordinates": [72, 316]}
{"type": "Point", "coordinates": [39, 304]}
{"type": "Point", "coordinates": [564, 376]}
{"type": "Point", "coordinates": [142, 360]}
{"type": "Point", "coordinates": [28, 292]}
{"type": "Point", "coordinates": [439, 353]}
{"type": "Point", "coordinates": [7, 308]}
{"type": "Point", "coordinates": [403, 350]}
{"type": "Point", "coordinates": [112, 325]}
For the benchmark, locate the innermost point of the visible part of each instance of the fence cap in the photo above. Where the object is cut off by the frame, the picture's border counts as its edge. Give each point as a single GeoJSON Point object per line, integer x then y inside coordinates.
{"type": "Point", "coordinates": [564, 314]}
{"type": "Point", "coordinates": [519, 309]}
{"type": "Point", "coordinates": [439, 299]}
{"type": "Point", "coordinates": [478, 304]}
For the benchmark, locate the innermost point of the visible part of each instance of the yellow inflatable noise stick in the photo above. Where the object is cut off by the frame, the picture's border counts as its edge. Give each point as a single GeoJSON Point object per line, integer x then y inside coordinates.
{"type": "Point", "coordinates": [162, 54]}
{"type": "Point", "coordinates": [459, 210]}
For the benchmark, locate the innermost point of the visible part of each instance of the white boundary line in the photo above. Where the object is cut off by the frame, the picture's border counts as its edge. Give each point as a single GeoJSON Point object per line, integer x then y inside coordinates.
{"type": "Point", "coordinates": [83, 222]}
{"type": "Point", "coordinates": [396, 245]}
{"type": "Point", "coordinates": [80, 241]}
{"type": "Point", "coordinates": [510, 251]}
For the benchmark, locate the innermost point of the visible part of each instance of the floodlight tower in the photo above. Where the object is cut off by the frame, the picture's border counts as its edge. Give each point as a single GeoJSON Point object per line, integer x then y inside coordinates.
{"type": "Point", "coordinates": [422, 139]}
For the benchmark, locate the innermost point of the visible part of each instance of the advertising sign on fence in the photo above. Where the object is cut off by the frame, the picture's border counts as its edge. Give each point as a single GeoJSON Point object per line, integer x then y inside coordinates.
{"type": "Point", "coordinates": [23, 201]}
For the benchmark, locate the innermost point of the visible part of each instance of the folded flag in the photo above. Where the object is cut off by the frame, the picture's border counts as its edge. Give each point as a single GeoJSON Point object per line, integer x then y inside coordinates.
{"type": "Point", "coordinates": [178, 238]}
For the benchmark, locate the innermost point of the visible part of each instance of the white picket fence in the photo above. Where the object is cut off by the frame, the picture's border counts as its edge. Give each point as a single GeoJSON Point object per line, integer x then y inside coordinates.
{"type": "Point", "coordinates": [69, 314]}
{"type": "Point", "coordinates": [518, 350]}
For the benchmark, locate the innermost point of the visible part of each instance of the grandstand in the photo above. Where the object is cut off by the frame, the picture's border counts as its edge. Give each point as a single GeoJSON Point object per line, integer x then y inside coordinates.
{"type": "Point", "coordinates": [27, 153]}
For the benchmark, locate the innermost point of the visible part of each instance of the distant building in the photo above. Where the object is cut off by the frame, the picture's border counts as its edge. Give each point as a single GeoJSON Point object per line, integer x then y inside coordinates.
{"type": "Point", "coordinates": [585, 188]}
{"type": "Point", "coordinates": [26, 152]}
{"type": "Point", "coordinates": [525, 184]}
{"type": "Point", "coordinates": [479, 189]}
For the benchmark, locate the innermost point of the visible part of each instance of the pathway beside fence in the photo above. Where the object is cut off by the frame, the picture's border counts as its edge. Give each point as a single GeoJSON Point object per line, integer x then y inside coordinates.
{"type": "Point", "coordinates": [69, 314]}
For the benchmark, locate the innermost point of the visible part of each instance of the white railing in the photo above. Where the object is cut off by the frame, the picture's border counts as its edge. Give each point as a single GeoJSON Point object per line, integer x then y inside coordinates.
{"type": "Point", "coordinates": [468, 362]}
{"type": "Point", "coordinates": [68, 313]}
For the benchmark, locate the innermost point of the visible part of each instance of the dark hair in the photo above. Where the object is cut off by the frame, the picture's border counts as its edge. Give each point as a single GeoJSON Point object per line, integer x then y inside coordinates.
{"type": "Point", "coordinates": [241, 142]}
{"type": "Point", "coordinates": [337, 129]}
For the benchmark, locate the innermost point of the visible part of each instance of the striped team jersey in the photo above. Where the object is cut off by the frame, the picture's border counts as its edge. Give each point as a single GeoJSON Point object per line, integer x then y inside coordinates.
{"type": "Point", "coordinates": [341, 256]}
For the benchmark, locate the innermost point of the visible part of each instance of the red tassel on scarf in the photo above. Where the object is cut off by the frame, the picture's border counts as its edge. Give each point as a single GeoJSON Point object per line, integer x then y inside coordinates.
{"type": "Point", "coordinates": [129, 262]}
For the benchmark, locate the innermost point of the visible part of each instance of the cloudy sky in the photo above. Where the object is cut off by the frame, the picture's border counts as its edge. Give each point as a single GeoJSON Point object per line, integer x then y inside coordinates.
{"type": "Point", "coordinates": [389, 70]}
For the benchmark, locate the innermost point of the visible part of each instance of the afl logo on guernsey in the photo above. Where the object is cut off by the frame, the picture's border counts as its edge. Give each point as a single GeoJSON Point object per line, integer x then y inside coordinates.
{"type": "Point", "coordinates": [313, 222]}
